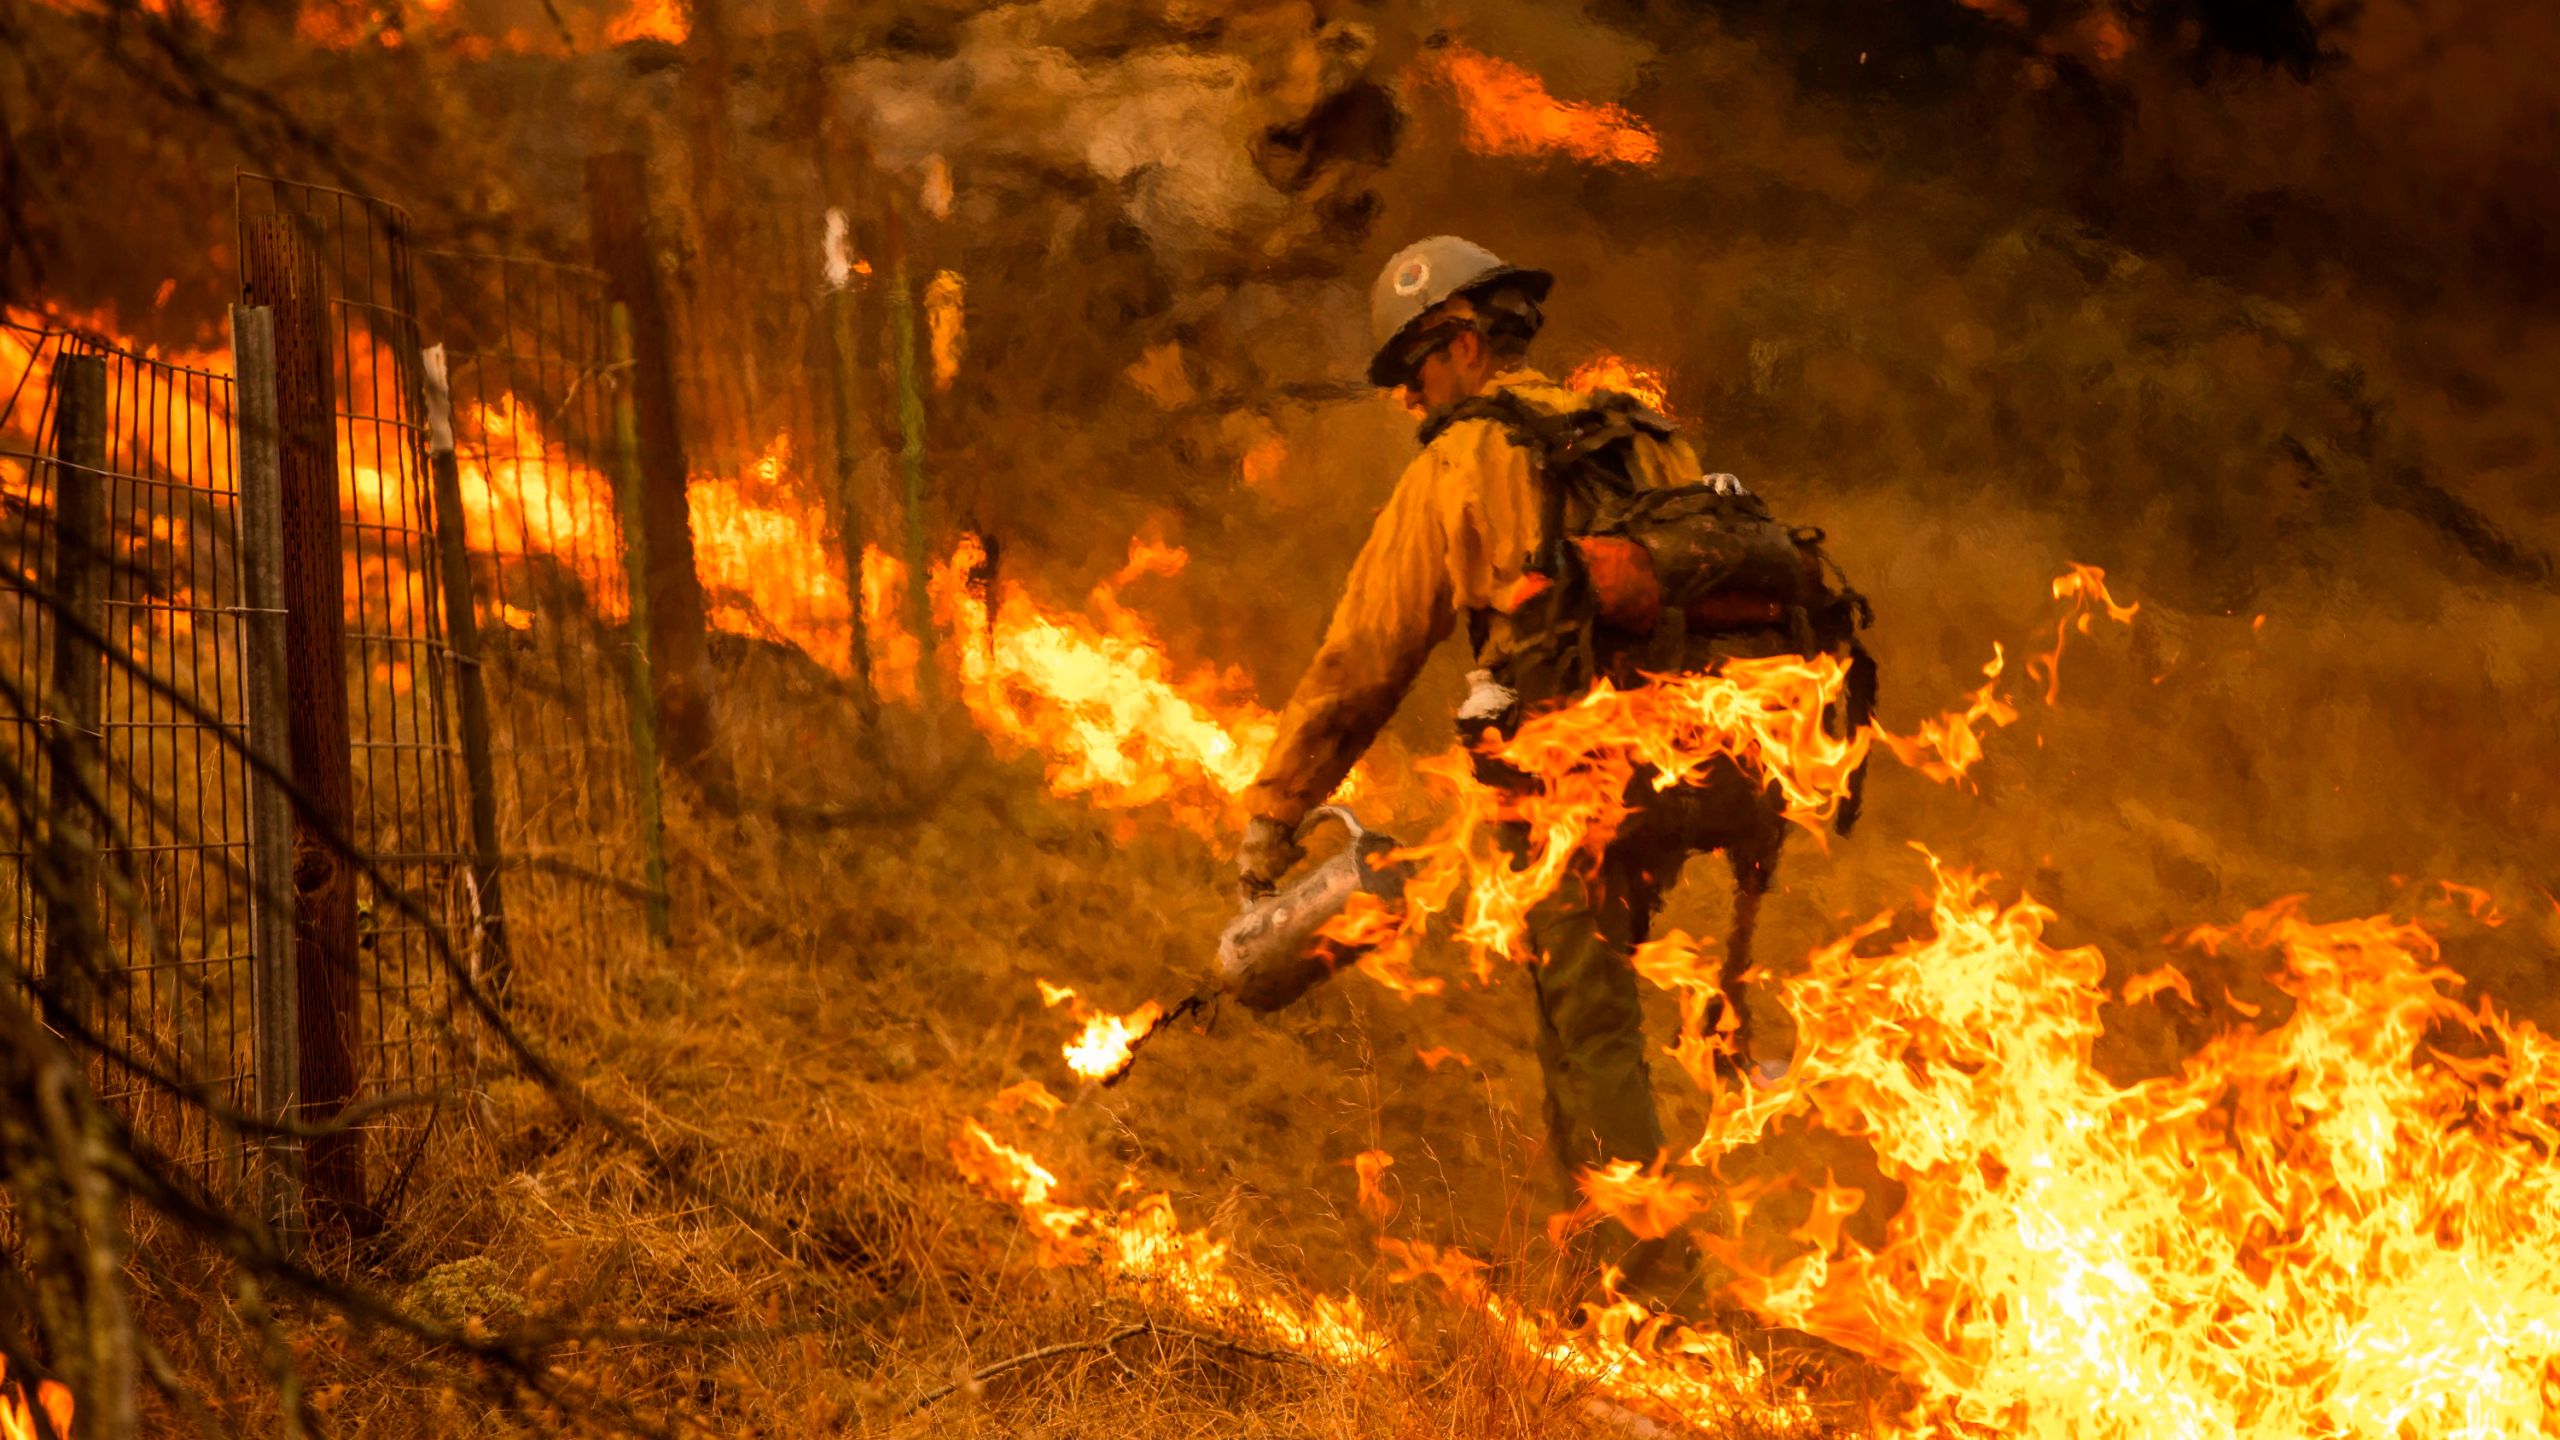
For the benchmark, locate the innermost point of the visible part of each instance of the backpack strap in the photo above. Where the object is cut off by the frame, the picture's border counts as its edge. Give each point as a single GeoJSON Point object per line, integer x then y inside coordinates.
{"type": "Point", "coordinates": [1561, 446]}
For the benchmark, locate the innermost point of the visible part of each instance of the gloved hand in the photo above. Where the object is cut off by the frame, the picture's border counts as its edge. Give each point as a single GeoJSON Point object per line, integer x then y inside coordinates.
{"type": "Point", "coordinates": [1269, 849]}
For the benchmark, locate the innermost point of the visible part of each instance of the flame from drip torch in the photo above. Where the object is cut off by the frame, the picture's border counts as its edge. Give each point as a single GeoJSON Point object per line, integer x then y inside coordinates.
{"type": "Point", "coordinates": [1109, 1042]}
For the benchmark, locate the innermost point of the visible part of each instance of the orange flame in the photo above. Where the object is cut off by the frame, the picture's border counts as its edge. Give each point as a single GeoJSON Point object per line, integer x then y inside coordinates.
{"type": "Point", "coordinates": [1506, 110]}
{"type": "Point", "coordinates": [2085, 587]}
{"type": "Point", "coordinates": [1645, 1200]}
{"type": "Point", "coordinates": [1372, 1166]}
{"type": "Point", "coordinates": [1946, 746]}
{"type": "Point", "coordinates": [20, 1421]}
{"type": "Point", "coordinates": [2337, 1224]}
{"type": "Point", "coordinates": [1146, 1244]}
{"type": "Point", "coordinates": [1101, 701]}
{"type": "Point", "coordinates": [1644, 383]}
{"type": "Point", "coordinates": [1763, 717]}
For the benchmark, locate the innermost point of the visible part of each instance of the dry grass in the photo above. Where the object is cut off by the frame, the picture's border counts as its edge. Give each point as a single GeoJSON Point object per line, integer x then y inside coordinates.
{"type": "Point", "coordinates": [838, 1000]}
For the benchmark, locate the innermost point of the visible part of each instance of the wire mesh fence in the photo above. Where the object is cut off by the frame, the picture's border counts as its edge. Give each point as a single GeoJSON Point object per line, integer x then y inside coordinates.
{"type": "Point", "coordinates": [531, 383]}
{"type": "Point", "coordinates": [139, 762]}
{"type": "Point", "coordinates": [406, 781]}
{"type": "Point", "coordinates": [133, 523]}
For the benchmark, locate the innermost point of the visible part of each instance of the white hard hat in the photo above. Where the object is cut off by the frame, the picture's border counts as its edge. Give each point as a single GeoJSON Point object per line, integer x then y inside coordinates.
{"type": "Point", "coordinates": [1422, 275]}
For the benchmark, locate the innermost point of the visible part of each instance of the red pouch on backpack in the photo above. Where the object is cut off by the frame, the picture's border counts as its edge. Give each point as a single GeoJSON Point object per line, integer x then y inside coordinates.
{"type": "Point", "coordinates": [1622, 581]}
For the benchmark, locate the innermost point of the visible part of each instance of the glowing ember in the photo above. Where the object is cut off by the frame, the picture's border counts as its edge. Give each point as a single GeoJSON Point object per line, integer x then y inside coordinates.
{"type": "Point", "coordinates": [1506, 110]}
{"type": "Point", "coordinates": [1611, 372]}
{"type": "Point", "coordinates": [20, 1420]}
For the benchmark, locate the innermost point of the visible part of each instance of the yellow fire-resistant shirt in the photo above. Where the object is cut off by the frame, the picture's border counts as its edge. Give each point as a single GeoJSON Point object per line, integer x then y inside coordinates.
{"type": "Point", "coordinates": [1453, 538]}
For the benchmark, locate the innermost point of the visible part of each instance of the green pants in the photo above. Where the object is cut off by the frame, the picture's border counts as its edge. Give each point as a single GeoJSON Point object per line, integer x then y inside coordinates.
{"type": "Point", "coordinates": [1591, 1041]}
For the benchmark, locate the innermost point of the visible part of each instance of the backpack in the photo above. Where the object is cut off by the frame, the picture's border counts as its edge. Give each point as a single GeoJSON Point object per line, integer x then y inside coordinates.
{"type": "Point", "coordinates": [1660, 581]}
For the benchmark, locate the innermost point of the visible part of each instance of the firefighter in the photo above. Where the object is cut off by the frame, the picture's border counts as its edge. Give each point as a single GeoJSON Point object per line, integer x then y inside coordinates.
{"type": "Point", "coordinates": [1451, 323]}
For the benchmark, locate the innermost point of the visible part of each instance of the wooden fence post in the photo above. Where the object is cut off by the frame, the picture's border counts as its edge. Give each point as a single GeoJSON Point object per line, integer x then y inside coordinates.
{"type": "Point", "coordinates": [635, 569]}
{"type": "Point", "coordinates": [471, 692]}
{"type": "Point", "coordinates": [269, 699]}
{"type": "Point", "coordinates": [75, 740]}
{"type": "Point", "coordinates": [680, 655]}
{"type": "Point", "coordinates": [282, 272]}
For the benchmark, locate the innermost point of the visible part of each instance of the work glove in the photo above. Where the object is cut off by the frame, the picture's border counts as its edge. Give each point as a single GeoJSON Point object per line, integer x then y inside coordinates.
{"type": "Point", "coordinates": [1269, 849]}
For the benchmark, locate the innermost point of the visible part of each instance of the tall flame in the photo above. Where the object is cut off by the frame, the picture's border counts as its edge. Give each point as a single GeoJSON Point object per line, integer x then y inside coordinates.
{"type": "Point", "coordinates": [1101, 701]}
{"type": "Point", "coordinates": [2339, 1224]}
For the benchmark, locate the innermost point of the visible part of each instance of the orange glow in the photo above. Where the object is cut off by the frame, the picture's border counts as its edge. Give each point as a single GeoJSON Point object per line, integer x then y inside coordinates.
{"type": "Point", "coordinates": [1439, 1055]}
{"type": "Point", "coordinates": [1613, 372]}
{"type": "Point", "coordinates": [895, 651]}
{"type": "Point", "coordinates": [943, 323]}
{"type": "Point", "coordinates": [1028, 1095]}
{"type": "Point", "coordinates": [19, 1419]}
{"type": "Point", "coordinates": [649, 20]}
{"type": "Point", "coordinates": [1506, 110]}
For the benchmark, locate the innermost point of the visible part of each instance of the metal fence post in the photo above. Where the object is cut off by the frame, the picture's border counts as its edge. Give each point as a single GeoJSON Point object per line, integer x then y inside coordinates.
{"type": "Point", "coordinates": [271, 899]}
{"type": "Point", "coordinates": [635, 568]}
{"type": "Point", "coordinates": [680, 661]}
{"type": "Point", "coordinates": [282, 272]}
{"type": "Point", "coordinates": [75, 739]}
{"type": "Point", "coordinates": [911, 416]}
{"type": "Point", "coordinates": [471, 694]}
{"type": "Point", "coordinates": [843, 354]}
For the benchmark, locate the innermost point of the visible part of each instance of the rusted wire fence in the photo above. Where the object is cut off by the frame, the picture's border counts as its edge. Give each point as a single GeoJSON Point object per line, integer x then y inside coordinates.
{"type": "Point", "coordinates": [531, 385]}
{"type": "Point", "coordinates": [128, 726]}
{"type": "Point", "coordinates": [291, 691]}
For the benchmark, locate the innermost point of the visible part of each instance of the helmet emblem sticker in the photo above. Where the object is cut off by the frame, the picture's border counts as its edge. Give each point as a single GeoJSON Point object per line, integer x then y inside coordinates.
{"type": "Point", "coordinates": [1413, 276]}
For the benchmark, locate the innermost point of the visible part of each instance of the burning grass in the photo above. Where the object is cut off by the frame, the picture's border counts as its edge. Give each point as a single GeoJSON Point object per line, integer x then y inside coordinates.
{"type": "Point", "coordinates": [851, 1032]}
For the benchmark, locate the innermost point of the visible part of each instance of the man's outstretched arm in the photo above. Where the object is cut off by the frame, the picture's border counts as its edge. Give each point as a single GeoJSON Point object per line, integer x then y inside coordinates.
{"type": "Point", "coordinates": [1394, 609]}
